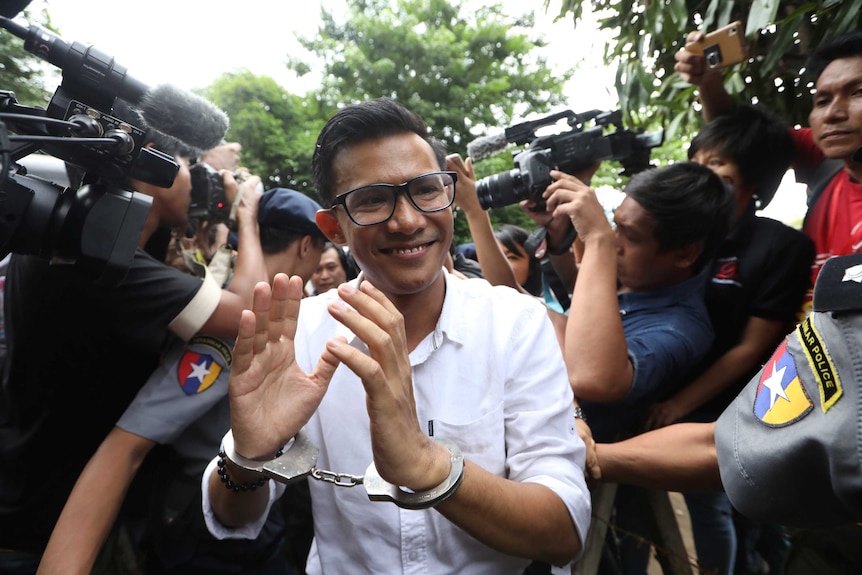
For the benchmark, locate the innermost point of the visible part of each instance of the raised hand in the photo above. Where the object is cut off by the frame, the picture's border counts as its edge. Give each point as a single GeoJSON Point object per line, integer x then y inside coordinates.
{"type": "Point", "coordinates": [271, 398]}
{"type": "Point", "coordinates": [465, 197]}
{"type": "Point", "coordinates": [569, 197]}
{"type": "Point", "coordinates": [691, 66]}
{"type": "Point", "coordinates": [403, 454]}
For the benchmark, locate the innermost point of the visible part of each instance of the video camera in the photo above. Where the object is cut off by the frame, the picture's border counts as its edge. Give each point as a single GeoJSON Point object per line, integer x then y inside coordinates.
{"type": "Point", "coordinates": [97, 225]}
{"type": "Point", "coordinates": [568, 151]}
{"type": "Point", "coordinates": [208, 200]}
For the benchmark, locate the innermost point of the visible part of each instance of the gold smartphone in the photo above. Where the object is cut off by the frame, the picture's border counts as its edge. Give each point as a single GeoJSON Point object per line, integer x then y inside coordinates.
{"type": "Point", "coordinates": [722, 47]}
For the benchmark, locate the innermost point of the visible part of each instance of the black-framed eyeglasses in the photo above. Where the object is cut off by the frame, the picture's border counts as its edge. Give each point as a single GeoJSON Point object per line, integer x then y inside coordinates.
{"type": "Point", "coordinates": [374, 204]}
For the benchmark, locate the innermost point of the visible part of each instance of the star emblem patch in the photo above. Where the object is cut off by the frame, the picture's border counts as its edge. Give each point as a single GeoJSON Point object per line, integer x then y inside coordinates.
{"type": "Point", "coordinates": [196, 372]}
{"type": "Point", "coordinates": [781, 398]}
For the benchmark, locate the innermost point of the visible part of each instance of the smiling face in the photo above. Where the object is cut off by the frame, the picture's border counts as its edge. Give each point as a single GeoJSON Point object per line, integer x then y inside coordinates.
{"type": "Point", "coordinates": [404, 255]}
{"type": "Point", "coordinates": [836, 112]}
{"type": "Point", "coordinates": [329, 272]}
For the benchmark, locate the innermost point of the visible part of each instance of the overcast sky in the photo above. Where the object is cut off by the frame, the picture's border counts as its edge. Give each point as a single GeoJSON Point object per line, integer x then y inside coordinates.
{"type": "Point", "coordinates": [189, 43]}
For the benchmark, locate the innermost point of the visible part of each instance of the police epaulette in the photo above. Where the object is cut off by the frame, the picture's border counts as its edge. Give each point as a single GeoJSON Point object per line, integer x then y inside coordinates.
{"type": "Point", "coordinates": [839, 284]}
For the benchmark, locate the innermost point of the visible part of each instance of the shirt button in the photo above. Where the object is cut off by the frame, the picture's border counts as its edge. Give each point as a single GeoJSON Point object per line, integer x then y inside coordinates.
{"type": "Point", "coordinates": [413, 556]}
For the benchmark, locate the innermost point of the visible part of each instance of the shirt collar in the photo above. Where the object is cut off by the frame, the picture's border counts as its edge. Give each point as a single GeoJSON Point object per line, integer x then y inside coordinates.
{"type": "Point", "coordinates": [449, 326]}
{"type": "Point", "coordinates": [693, 287]}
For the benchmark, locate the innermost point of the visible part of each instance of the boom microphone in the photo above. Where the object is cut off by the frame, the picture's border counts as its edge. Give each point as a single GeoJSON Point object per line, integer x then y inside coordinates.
{"type": "Point", "coordinates": [486, 146]}
{"type": "Point", "coordinates": [97, 78]}
{"type": "Point", "coordinates": [183, 115]}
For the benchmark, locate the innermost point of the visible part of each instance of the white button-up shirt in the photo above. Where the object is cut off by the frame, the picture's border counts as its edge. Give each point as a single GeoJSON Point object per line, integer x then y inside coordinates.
{"type": "Point", "coordinates": [491, 378]}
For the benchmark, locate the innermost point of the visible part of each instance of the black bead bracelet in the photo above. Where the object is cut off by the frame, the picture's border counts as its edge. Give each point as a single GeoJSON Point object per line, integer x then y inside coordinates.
{"type": "Point", "coordinates": [236, 488]}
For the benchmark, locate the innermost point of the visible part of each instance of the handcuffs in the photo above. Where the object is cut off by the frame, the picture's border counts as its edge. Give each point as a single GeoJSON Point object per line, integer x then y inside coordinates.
{"type": "Point", "coordinates": [300, 461]}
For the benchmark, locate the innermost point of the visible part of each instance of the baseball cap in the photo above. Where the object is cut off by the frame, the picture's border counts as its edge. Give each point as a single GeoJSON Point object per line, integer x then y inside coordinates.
{"type": "Point", "coordinates": [284, 208]}
{"type": "Point", "coordinates": [789, 445]}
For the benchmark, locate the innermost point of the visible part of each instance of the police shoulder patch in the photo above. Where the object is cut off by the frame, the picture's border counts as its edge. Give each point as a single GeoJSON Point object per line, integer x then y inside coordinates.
{"type": "Point", "coordinates": [202, 363]}
{"type": "Point", "coordinates": [780, 398]}
{"type": "Point", "coordinates": [821, 364]}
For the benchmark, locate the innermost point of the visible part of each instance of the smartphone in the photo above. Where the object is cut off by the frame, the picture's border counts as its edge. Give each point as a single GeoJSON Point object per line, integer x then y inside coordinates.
{"type": "Point", "coordinates": [722, 47]}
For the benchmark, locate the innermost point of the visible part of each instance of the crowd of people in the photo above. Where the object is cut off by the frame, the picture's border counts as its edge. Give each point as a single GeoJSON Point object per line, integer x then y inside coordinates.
{"type": "Point", "coordinates": [333, 387]}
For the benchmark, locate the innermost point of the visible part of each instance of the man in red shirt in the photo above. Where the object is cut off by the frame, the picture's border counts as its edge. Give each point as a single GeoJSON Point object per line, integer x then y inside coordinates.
{"type": "Point", "coordinates": [828, 159]}
{"type": "Point", "coordinates": [828, 153]}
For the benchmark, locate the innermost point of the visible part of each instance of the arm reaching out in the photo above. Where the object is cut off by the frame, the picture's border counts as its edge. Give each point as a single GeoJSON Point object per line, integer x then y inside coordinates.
{"type": "Point", "coordinates": [495, 267]}
{"type": "Point", "coordinates": [606, 374]}
{"type": "Point", "coordinates": [93, 505]}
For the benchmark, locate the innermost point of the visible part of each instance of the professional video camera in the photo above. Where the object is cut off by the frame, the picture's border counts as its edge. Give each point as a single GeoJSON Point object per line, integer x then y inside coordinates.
{"type": "Point", "coordinates": [568, 151]}
{"type": "Point", "coordinates": [99, 120]}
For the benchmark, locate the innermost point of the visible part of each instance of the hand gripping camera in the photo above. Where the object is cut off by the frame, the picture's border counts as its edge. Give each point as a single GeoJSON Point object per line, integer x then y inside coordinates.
{"type": "Point", "coordinates": [568, 151]}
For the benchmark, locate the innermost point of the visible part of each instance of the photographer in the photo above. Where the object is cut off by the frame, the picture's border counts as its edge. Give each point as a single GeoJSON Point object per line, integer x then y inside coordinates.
{"type": "Point", "coordinates": [828, 158]}
{"type": "Point", "coordinates": [638, 322]}
{"type": "Point", "coordinates": [79, 351]}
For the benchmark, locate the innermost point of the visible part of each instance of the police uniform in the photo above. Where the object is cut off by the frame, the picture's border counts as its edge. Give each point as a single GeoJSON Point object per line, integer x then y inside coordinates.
{"type": "Point", "coordinates": [184, 406]}
{"type": "Point", "coordinates": [790, 445]}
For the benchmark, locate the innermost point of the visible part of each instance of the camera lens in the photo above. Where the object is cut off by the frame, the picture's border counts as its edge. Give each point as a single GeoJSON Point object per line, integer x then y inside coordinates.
{"type": "Point", "coordinates": [499, 190]}
{"type": "Point", "coordinates": [712, 59]}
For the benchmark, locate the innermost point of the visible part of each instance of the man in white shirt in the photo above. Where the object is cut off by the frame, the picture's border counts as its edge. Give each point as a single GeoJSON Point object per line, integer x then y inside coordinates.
{"type": "Point", "coordinates": [389, 364]}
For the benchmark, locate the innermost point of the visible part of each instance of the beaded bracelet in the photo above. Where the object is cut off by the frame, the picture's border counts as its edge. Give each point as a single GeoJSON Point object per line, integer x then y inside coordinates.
{"type": "Point", "coordinates": [228, 483]}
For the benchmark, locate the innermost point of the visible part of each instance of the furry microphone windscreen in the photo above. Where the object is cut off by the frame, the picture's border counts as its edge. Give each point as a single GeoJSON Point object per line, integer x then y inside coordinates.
{"type": "Point", "coordinates": [183, 115]}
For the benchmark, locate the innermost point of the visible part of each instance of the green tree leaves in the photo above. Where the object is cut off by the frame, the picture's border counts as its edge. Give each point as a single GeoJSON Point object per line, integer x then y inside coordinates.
{"type": "Point", "coordinates": [779, 33]}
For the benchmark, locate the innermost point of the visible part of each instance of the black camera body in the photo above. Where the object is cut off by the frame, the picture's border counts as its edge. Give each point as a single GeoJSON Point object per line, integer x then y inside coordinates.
{"type": "Point", "coordinates": [208, 199]}
{"type": "Point", "coordinates": [568, 151]}
{"type": "Point", "coordinates": [90, 125]}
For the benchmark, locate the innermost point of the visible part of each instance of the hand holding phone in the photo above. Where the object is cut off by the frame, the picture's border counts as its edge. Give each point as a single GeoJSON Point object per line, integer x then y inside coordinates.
{"type": "Point", "coordinates": [722, 47]}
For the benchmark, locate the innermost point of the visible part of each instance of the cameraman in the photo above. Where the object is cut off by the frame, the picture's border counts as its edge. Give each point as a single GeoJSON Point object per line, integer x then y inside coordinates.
{"type": "Point", "coordinates": [79, 351]}
{"type": "Point", "coordinates": [638, 322]}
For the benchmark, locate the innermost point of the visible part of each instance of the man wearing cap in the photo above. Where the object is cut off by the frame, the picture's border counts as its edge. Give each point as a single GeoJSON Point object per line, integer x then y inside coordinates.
{"type": "Point", "coordinates": [184, 407]}
{"type": "Point", "coordinates": [787, 450]}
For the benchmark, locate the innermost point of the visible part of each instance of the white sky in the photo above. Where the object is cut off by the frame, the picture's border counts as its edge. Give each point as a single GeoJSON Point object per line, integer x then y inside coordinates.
{"type": "Point", "coordinates": [189, 43]}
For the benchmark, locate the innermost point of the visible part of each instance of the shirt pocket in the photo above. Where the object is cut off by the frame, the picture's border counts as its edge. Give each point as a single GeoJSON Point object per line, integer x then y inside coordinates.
{"type": "Point", "coordinates": [482, 440]}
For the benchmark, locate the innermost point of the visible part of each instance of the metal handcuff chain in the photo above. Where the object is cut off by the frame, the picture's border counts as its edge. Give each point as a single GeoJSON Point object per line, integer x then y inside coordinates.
{"type": "Point", "coordinates": [300, 461]}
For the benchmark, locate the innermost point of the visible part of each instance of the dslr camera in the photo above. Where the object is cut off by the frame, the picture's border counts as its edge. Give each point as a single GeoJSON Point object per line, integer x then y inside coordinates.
{"type": "Point", "coordinates": [209, 201]}
{"type": "Point", "coordinates": [568, 151]}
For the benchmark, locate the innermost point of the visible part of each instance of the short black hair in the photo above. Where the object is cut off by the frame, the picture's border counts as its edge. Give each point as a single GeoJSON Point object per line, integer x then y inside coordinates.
{"type": "Point", "coordinates": [688, 203]}
{"type": "Point", "coordinates": [847, 45]}
{"type": "Point", "coordinates": [358, 123]}
{"type": "Point", "coordinates": [756, 141]}
{"type": "Point", "coordinates": [275, 239]}
{"type": "Point", "coordinates": [344, 258]}
{"type": "Point", "coordinates": [515, 239]}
